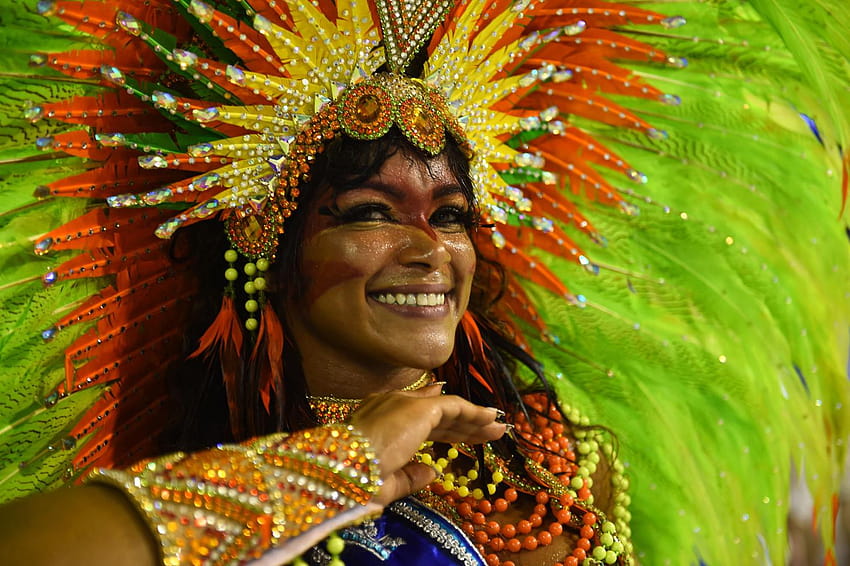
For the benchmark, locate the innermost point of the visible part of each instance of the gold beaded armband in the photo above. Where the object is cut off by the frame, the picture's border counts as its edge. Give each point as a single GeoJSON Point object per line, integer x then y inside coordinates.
{"type": "Point", "coordinates": [234, 502]}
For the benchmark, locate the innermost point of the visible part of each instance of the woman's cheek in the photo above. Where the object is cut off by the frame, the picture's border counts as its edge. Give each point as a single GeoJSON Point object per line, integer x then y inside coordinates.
{"type": "Point", "coordinates": [463, 255]}
{"type": "Point", "coordinates": [327, 265]}
{"type": "Point", "coordinates": [322, 276]}
{"type": "Point", "coordinates": [334, 258]}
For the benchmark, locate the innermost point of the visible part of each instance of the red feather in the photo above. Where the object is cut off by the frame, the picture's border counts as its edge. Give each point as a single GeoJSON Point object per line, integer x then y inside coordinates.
{"type": "Point", "coordinates": [476, 345]}
{"type": "Point", "coordinates": [270, 339]}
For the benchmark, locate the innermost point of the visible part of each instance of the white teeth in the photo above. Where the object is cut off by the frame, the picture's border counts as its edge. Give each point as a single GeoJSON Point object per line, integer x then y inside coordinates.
{"type": "Point", "coordinates": [419, 299]}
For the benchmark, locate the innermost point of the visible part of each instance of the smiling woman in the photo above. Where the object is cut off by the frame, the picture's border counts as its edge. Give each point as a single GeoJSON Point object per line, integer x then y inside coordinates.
{"type": "Point", "coordinates": [312, 251]}
{"type": "Point", "coordinates": [373, 287]}
{"type": "Point", "coordinates": [369, 352]}
{"type": "Point", "coordinates": [376, 275]}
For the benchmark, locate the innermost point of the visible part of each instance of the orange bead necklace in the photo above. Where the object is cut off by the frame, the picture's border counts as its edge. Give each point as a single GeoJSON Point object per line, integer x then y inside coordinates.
{"type": "Point", "coordinates": [566, 501]}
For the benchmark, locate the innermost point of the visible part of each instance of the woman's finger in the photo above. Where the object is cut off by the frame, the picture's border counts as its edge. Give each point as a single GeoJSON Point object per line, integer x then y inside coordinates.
{"type": "Point", "coordinates": [398, 423]}
{"type": "Point", "coordinates": [409, 479]}
{"type": "Point", "coordinates": [472, 434]}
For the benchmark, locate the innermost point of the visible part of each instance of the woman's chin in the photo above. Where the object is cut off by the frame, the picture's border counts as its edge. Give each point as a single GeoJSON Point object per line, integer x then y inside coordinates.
{"type": "Point", "coordinates": [424, 355]}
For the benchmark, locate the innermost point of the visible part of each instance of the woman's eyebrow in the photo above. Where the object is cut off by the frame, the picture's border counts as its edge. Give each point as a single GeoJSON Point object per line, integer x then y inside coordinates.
{"type": "Point", "coordinates": [447, 190]}
{"type": "Point", "coordinates": [373, 185]}
{"type": "Point", "coordinates": [397, 192]}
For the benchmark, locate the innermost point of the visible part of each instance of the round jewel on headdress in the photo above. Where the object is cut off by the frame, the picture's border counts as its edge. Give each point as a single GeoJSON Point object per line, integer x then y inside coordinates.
{"type": "Point", "coordinates": [421, 124]}
{"type": "Point", "coordinates": [367, 112]}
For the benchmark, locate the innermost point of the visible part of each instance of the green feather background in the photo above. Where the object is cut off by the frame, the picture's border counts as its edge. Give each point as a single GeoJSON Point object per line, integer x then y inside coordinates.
{"type": "Point", "coordinates": [713, 341]}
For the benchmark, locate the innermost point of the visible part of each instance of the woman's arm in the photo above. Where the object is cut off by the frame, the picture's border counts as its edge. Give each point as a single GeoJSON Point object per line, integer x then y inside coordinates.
{"type": "Point", "coordinates": [93, 524]}
{"type": "Point", "coordinates": [188, 497]}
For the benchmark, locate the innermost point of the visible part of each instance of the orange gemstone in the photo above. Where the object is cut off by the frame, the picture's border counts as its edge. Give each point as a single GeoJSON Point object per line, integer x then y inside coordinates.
{"type": "Point", "coordinates": [367, 108]}
{"type": "Point", "coordinates": [251, 229]}
{"type": "Point", "coordinates": [423, 120]}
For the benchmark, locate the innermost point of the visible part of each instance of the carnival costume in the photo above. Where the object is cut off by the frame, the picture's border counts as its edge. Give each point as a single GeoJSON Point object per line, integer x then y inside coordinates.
{"type": "Point", "coordinates": [667, 200]}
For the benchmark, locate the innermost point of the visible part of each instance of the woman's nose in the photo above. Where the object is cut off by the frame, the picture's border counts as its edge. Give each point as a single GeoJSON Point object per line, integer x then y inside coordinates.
{"type": "Point", "coordinates": [423, 247]}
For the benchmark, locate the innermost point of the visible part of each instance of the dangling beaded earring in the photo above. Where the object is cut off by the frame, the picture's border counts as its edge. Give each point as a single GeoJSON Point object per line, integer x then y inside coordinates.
{"type": "Point", "coordinates": [267, 330]}
{"type": "Point", "coordinates": [225, 337]}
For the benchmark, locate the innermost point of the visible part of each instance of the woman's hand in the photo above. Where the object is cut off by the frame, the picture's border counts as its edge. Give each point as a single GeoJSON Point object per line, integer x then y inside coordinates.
{"type": "Point", "coordinates": [397, 423]}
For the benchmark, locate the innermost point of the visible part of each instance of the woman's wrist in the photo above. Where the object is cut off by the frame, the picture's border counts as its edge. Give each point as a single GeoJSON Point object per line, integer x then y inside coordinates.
{"type": "Point", "coordinates": [235, 502]}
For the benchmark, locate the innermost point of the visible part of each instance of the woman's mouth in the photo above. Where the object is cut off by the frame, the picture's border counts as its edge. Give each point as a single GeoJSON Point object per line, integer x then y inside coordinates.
{"type": "Point", "coordinates": [411, 299]}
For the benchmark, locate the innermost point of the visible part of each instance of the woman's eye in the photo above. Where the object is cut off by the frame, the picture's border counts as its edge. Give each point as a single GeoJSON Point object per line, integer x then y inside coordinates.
{"type": "Point", "coordinates": [452, 216]}
{"type": "Point", "coordinates": [369, 212]}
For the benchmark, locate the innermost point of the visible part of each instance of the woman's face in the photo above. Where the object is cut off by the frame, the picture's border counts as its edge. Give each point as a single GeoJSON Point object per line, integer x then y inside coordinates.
{"type": "Point", "coordinates": [388, 266]}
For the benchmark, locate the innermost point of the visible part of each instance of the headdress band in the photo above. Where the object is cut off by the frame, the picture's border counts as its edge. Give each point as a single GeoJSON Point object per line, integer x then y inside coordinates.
{"type": "Point", "coordinates": [365, 111]}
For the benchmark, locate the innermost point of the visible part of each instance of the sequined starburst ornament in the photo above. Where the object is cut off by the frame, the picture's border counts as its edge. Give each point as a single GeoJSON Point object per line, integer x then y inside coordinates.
{"type": "Point", "coordinates": [309, 72]}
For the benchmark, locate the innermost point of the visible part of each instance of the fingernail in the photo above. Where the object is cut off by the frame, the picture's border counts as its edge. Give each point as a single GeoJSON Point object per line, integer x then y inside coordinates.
{"type": "Point", "coordinates": [499, 412]}
{"type": "Point", "coordinates": [509, 427]}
